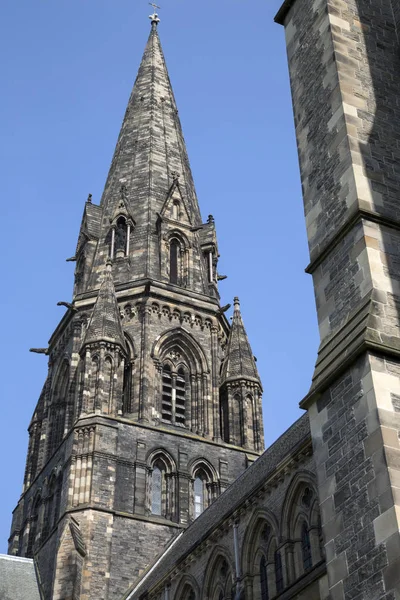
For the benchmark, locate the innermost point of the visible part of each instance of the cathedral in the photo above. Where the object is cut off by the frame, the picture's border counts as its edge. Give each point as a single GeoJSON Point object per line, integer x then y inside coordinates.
{"type": "Point", "coordinates": [146, 475]}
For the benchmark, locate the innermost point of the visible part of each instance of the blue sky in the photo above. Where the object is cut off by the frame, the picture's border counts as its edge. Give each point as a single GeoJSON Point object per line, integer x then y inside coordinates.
{"type": "Point", "coordinates": [68, 67]}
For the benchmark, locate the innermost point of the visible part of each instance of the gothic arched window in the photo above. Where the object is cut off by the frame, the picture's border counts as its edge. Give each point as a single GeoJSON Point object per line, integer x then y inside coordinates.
{"type": "Point", "coordinates": [156, 491]}
{"type": "Point", "coordinates": [174, 262]}
{"type": "Point", "coordinates": [263, 579]}
{"type": "Point", "coordinates": [198, 488]}
{"type": "Point", "coordinates": [306, 547]}
{"type": "Point", "coordinates": [120, 237]}
{"type": "Point", "coordinates": [173, 396]}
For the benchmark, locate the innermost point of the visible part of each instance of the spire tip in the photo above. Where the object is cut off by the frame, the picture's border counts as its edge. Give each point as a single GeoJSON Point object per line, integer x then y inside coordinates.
{"type": "Point", "coordinates": [154, 17]}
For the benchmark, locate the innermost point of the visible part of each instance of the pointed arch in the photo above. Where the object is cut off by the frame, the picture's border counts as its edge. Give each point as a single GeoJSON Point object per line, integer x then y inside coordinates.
{"type": "Point", "coordinates": [262, 528]}
{"type": "Point", "coordinates": [177, 245]}
{"type": "Point", "coordinates": [300, 521]}
{"type": "Point", "coordinates": [161, 484]}
{"type": "Point", "coordinates": [183, 380]}
{"type": "Point", "coordinates": [219, 575]}
{"type": "Point", "coordinates": [187, 589]}
{"type": "Point", "coordinates": [204, 486]}
{"type": "Point", "coordinates": [191, 352]}
{"type": "Point", "coordinates": [301, 481]}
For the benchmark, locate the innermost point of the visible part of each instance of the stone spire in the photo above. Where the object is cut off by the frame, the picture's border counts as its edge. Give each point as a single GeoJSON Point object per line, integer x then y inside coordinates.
{"type": "Point", "coordinates": [151, 151]}
{"type": "Point", "coordinates": [239, 360]}
{"type": "Point", "coordinates": [105, 323]}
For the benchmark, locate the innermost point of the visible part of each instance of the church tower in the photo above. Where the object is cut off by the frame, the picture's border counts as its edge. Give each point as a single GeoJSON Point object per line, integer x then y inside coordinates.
{"type": "Point", "coordinates": [152, 404]}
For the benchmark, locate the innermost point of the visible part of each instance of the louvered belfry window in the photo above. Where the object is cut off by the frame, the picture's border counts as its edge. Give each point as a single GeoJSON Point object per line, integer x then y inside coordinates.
{"type": "Point", "coordinates": [167, 394]}
{"type": "Point", "coordinates": [180, 398]}
{"type": "Point", "coordinates": [173, 396]}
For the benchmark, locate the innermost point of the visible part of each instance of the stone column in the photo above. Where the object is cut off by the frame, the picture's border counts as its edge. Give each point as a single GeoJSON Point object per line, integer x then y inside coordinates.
{"type": "Point", "coordinates": [344, 60]}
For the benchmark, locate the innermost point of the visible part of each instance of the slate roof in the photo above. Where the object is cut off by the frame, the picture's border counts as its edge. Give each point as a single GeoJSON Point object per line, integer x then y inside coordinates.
{"type": "Point", "coordinates": [105, 323]}
{"type": "Point", "coordinates": [246, 485]}
{"type": "Point", "coordinates": [239, 360]}
{"type": "Point", "coordinates": [18, 579]}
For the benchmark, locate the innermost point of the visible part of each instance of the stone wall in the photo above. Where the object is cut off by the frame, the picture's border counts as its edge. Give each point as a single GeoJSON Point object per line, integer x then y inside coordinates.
{"type": "Point", "coordinates": [343, 61]}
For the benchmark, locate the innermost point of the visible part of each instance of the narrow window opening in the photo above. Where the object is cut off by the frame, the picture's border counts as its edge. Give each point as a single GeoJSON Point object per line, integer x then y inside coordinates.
{"type": "Point", "coordinates": [173, 261]}
{"type": "Point", "coordinates": [175, 210]}
{"type": "Point", "coordinates": [224, 418]}
{"type": "Point", "coordinates": [263, 579]}
{"type": "Point", "coordinates": [156, 491]}
{"type": "Point", "coordinates": [120, 237]}
{"type": "Point", "coordinates": [306, 547]}
{"type": "Point", "coordinates": [198, 497]}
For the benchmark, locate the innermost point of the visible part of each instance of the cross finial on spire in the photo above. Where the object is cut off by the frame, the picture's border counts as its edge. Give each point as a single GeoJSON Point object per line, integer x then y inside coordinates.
{"type": "Point", "coordinates": [154, 17]}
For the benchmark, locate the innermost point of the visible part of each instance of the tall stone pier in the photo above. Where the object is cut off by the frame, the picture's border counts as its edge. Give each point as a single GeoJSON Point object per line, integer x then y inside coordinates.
{"type": "Point", "coordinates": [344, 61]}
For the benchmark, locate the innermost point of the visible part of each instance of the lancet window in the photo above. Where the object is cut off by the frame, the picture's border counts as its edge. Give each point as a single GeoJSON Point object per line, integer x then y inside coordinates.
{"type": "Point", "coordinates": [202, 488]}
{"type": "Point", "coordinates": [224, 417]}
{"type": "Point", "coordinates": [162, 492]}
{"type": "Point", "coordinates": [198, 487]}
{"type": "Point", "coordinates": [156, 491]}
{"type": "Point", "coordinates": [174, 261]}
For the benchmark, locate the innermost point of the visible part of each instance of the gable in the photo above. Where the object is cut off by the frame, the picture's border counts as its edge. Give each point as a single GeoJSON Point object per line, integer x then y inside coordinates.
{"type": "Point", "coordinates": [174, 208]}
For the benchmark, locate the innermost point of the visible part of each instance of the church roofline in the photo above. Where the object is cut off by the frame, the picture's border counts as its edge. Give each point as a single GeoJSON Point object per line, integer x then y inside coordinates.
{"type": "Point", "coordinates": [252, 479]}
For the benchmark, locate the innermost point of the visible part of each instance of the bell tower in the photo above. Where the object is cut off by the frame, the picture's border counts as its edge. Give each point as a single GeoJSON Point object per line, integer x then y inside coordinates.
{"type": "Point", "coordinates": [152, 404]}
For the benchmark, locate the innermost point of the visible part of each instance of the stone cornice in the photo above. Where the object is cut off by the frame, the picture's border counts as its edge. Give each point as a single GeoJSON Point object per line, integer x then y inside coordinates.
{"type": "Point", "coordinates": [110, 421]}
